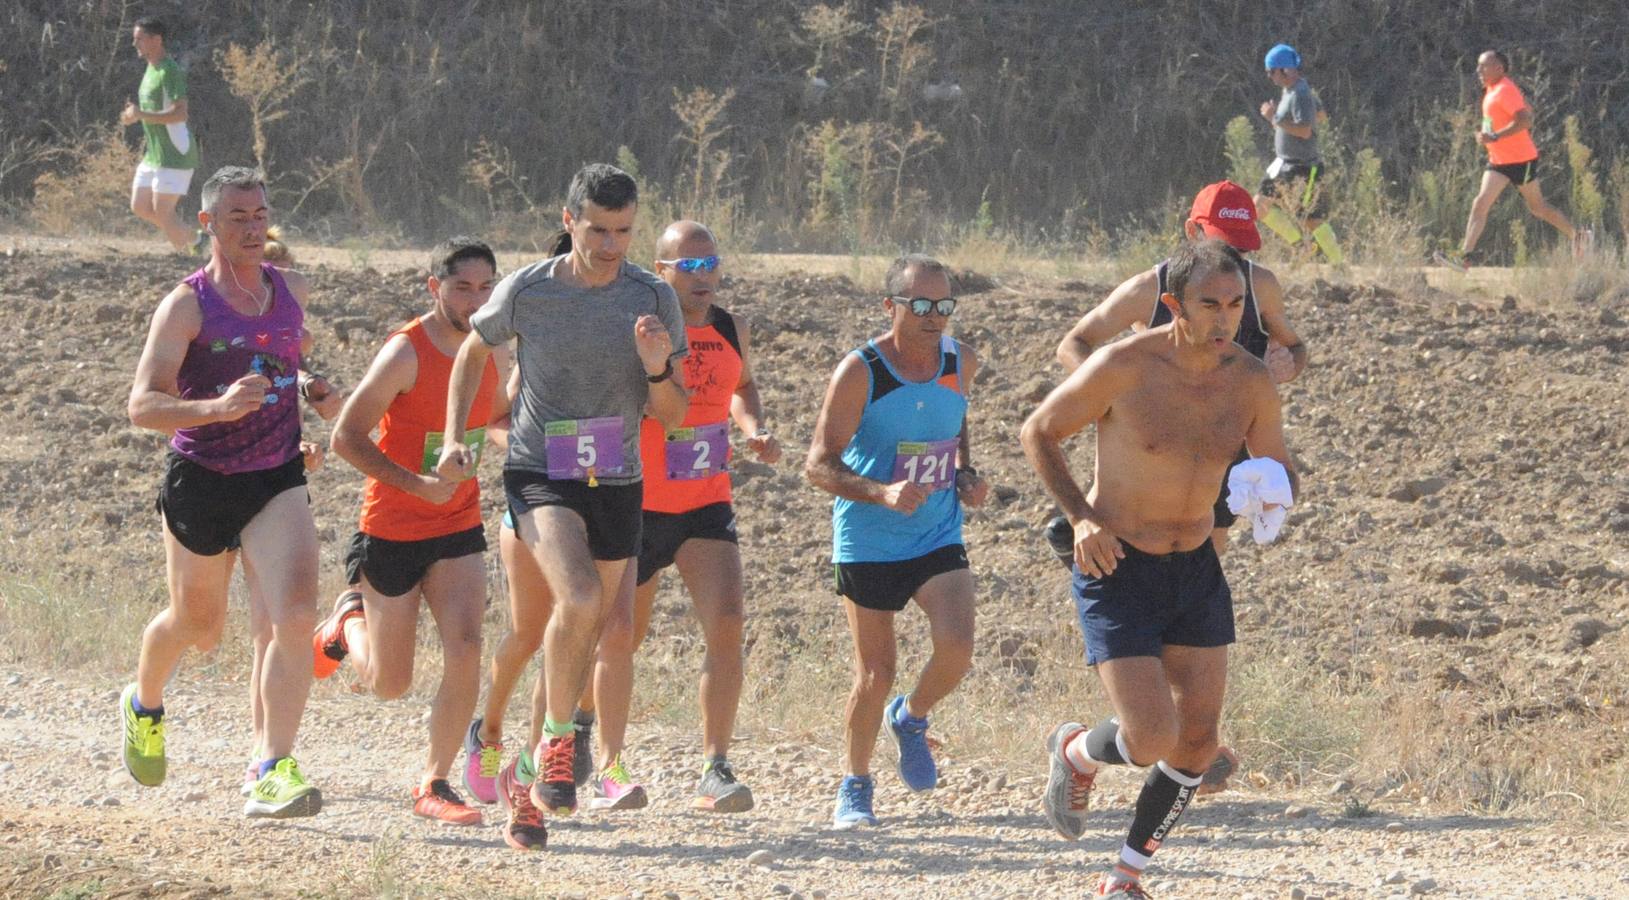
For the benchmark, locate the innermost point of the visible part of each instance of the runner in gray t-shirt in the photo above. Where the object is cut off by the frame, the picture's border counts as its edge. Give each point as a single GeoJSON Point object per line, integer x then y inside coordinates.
{"type": "Point", "coordinates": [597, 340]}
{"type": "Point", "coordinates": [1297, 176]}
{"type": "Point", "coordinates": [588, 370]}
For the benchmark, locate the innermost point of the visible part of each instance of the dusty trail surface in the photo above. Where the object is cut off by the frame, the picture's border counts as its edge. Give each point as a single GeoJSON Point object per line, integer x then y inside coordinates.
{"type": "Point", "coordinates": [1462, 551]}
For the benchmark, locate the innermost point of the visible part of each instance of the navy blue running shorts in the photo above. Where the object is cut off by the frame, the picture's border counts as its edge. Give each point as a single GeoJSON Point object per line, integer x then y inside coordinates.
{"type": "Point", "coordinates": [1152, 601]}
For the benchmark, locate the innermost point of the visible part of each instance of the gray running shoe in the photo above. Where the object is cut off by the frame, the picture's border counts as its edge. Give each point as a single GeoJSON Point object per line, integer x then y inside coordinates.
{"type": "Point", "coordinates": [1214, 781]}
{"type": "Point", "coordinates": [582, 765]}
{"type": "Point", "coordinates": [720, 792]}
{"type": "Point", "coordinates": [1068, 793]}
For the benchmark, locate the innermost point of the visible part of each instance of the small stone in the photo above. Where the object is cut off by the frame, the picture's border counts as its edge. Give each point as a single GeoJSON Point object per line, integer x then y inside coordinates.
{"type": "Point", "coordinates": [782, 888]}
{"type": "Point", "coordinates": [110, 801]}
{"type": "Point", "coordinates": [1395, 828]}
{"type": "Point", "coordinates": [194, 796]}
{"type": "Point", "coordinates": [1296, 811]}
{"type": "Point", "coordinates": [1423, 886]}
{"type": "Point", "coordinates": [160, 885]}
{"type": "Point", "coordinates": [1396, 877]}
{"type": "Point", "coordinates": [761, 858]}
{"type": "Point", "coordinates": [15, 680]}
{"type": "Point", "coordinates": [1340, 787]}
{"type": "Point", "coordinates": [1297, 893]}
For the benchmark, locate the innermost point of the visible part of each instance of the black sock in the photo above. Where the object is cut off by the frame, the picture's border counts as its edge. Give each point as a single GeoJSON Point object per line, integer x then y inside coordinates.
{"type": "Point", "coordinates": [1103, 743]}
{"type": "Point", "coordinates": [1160, 803]}
{"type": "Point", "coordinates": [580, 718]}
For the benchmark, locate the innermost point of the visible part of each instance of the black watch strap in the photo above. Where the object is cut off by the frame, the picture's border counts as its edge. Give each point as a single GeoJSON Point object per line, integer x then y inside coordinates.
{"type": "Point", "coordinates": [667, 372]}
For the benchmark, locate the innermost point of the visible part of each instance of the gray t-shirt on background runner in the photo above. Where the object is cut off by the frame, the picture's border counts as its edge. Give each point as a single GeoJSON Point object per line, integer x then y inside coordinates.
{"type": "Point", "coordinates": [576, 353]}
{"type": "Point", "coordinates": [1298, 106]}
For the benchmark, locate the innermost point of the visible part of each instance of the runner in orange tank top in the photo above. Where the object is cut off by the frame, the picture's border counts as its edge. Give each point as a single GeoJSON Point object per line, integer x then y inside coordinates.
{"type": "Point", "coordinates": [689, 522]}
{"type": "Point", "coordinates": [419, 534]}
{"type": "Point", "coordinates": [1506, 131]}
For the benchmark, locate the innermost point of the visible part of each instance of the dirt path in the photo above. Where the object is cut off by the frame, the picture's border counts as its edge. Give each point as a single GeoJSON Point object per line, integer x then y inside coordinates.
{"type": "Point", "coordinates": [71, 817]}
{"type": "Point", "coordinates": [1444, 619]}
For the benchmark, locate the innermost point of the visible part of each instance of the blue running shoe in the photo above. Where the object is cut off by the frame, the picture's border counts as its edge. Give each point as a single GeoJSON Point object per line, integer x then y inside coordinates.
{"type": "Point", "coordinates": [854, 803]}
{"type": "Point", "coordinates": [916, 764]}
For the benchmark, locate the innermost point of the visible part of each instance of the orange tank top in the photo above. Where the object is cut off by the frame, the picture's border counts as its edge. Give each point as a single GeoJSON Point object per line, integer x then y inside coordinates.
{"type": "Point", "coordinates": [686, 469]}
{"type": "Point", "coordinates": [410, 435]}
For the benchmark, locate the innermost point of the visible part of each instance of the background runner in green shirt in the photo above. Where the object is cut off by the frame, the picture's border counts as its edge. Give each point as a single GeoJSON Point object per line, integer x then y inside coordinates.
{"type": "Point", "coordinates": [166, 168]}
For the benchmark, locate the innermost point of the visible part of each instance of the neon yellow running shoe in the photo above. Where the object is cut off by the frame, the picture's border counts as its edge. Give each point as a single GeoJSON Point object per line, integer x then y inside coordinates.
{"type": "Point", "coordinates": [143, 742]}
{"type": "Point", "coordinates": [283, 793]}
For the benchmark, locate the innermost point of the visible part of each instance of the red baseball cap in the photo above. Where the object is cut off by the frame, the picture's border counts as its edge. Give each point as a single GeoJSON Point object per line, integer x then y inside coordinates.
{"type": "Point", "coordinates": [1224, 210]}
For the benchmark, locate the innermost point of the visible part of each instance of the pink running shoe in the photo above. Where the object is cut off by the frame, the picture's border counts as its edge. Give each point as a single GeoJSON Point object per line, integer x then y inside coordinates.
{"type": "Point", "coordinates": [483, 760]}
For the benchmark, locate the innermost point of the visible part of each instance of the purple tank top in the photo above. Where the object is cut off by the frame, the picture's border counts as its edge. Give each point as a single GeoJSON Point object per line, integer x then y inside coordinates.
{"type": "Point", "coordinates": [229, 346]}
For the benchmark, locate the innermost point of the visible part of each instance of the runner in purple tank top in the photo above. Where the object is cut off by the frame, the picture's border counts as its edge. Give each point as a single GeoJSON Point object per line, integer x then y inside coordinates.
{"type": "Point", "coordinates": [220, 374]}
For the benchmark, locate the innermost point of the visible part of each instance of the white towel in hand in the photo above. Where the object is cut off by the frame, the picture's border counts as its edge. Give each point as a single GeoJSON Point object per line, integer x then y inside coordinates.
{"type": "Point", "coordinates": [1252, 485]}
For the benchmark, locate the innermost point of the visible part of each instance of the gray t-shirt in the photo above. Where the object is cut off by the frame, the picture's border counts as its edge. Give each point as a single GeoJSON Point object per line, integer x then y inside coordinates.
{"type": "Point", "coordinates": [576, 355]}
{"type": "Point", "coordinates": [1297, 106]}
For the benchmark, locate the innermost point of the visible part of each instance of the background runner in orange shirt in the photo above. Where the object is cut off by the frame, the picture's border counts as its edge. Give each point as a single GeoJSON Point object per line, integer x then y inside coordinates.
{"type": "Point", "coordinates": [419, 535]}
{"type": "Point", "coordinates": [1506, 132]}
{"type": "Point", "coordinates": [689, 522]}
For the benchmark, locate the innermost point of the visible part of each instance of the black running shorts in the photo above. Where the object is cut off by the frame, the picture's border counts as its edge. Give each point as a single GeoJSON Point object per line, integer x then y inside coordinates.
{"type": "Point", "coordinates": [664, 533]}
{"type": "Point", "coordinates": [1518, 173]}
{"type": "Point", "coordinates": [395, 567]}
{"type": "Point", "coordinates": [207, 511]}
{"type": "Point", "coordinates": [611, 512]}
{"type": "Point", "coordinates": [888, 586]}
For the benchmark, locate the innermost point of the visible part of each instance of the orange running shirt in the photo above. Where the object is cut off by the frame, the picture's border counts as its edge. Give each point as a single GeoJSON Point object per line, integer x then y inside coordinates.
{"type": "Point", "coordinates": [410, 435]}
{"type": "Point", "coordinates": [712, 372]}
{"type": "Point", "coordinates": [1499, 107]}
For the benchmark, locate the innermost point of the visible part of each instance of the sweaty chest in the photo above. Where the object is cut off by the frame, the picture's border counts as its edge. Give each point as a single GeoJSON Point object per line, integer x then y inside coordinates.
{"type": "Point", "coordinates": [1183, 424]}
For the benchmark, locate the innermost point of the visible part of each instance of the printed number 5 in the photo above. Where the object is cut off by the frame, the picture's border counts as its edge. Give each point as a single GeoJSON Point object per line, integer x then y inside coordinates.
{"type": "Point", "coordinates": [586, 454]}
{"type": "Point", "coordinates": [703, 449]}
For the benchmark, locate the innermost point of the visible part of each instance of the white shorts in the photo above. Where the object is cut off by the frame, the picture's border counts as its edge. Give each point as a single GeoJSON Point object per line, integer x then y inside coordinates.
{"type": "Point", "coordinates": [161, 181]}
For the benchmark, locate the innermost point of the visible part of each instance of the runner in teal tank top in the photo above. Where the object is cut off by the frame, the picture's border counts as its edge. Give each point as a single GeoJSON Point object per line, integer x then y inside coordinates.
{"type": "Point", "coordinates": [891, 443]}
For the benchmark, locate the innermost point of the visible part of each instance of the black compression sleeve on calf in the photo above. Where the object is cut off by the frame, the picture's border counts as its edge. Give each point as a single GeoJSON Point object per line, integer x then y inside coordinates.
{"type": "Point", "coordinates": [1163, 798]}
{"type": "Point", "coordinates": [1102, 743]}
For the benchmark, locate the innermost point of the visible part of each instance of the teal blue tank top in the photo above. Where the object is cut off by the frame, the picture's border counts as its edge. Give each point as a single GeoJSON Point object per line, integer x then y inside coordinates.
{"type": "Point", "coordinates": [908, 430]}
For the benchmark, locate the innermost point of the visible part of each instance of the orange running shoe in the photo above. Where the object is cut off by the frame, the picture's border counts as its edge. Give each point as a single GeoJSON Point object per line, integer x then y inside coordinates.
{"type": "Point", "coordinates": [525, 829]}
{"type": "Point", "coordinates": [329, 640]}
{"type": "Point", "coordinates": [442, 804]}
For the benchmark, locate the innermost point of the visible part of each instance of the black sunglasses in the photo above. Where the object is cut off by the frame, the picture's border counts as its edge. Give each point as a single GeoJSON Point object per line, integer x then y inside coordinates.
{"type": "Point", "coordinates": [921, 306]}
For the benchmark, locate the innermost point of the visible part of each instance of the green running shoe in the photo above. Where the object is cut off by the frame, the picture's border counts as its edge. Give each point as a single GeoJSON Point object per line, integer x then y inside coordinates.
{"type": "Point", "coordinates": [283, 793]}
{"type": "Point", "coordinates": [143, 742]}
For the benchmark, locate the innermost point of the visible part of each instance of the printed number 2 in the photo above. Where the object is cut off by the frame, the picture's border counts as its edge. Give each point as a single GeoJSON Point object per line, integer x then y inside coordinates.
{"type": "Point", "coordinates": [586, 454]}
{"type": "Point", "coordinates": [703, 449]}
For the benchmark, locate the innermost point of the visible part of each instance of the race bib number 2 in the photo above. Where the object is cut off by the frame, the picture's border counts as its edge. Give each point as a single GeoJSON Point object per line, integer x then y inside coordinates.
{"type": "Point", "coordinates": [582, 449]}
{"type": "Point", "coordinates": [474, 439]}
{"type": "Point", "coordinates": [698, 452]}
{"type": "Point", "coordinates": [931, 464]}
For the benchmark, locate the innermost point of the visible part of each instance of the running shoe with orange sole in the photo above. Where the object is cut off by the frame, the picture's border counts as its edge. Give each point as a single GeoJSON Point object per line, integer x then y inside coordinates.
{"type": "Point", "coordinates": [440, 803]}
{"type": "Point", "coordinates": [329, 640]}
{"type": "Point", "coordinates": [525, 829]}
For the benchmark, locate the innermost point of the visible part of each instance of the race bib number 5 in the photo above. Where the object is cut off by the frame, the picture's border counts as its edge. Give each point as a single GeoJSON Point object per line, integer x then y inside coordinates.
{"type": "Point", "coordinates": [699, 452]}
{"type": "Point", "coordinates": [474, 439]}
{"type": "Point", "coordinates": [931, 464]}
{"type": "Point", "coordinates": [582, 449]}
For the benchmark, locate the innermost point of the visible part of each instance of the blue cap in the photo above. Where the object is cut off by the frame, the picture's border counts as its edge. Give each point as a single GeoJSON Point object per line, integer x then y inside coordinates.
{"type": "Point", "coordinates": [1283, 56]}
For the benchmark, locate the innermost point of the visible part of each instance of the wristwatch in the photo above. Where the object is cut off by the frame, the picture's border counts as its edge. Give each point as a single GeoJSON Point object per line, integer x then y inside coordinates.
{"type": "Point", "coordinates": [667, 372]}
